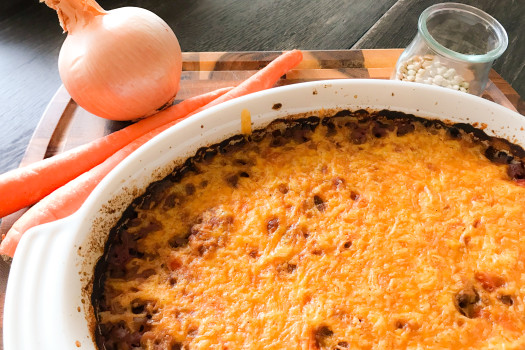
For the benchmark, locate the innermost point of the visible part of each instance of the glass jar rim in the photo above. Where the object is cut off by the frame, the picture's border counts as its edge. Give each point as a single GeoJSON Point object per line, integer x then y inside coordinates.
{"type": "Point", "coordinates": [500, 32]}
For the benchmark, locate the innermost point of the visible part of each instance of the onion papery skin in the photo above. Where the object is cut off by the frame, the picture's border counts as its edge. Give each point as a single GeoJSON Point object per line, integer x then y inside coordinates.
{"type": "Point", "coordinates": [123, 65]}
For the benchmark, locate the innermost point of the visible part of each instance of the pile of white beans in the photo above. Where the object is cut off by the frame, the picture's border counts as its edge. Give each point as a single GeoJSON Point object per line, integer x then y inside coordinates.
{"type": "Point", "coordinates": [428, 70]}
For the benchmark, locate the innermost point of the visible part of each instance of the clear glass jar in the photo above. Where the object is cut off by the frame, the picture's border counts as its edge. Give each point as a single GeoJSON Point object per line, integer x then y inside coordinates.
{"type": "Point", "coordinates": [455, 47]}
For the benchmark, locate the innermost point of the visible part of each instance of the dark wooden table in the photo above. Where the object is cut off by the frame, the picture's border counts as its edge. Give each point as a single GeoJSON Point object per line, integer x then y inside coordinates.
{"type": "Point", "coordinates": [30, 40]}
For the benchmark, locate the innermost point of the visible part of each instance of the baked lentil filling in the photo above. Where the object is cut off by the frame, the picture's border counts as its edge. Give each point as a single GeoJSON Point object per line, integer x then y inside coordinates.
{"type": "Point", "coordinates": [356, 231]}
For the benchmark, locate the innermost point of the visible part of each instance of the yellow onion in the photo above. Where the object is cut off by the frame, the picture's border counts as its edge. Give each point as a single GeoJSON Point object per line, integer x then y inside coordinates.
{"type": "Point", "coordinates": [121, 64]}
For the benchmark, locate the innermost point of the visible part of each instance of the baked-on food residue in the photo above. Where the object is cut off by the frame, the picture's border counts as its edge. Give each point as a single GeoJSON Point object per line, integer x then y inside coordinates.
{"type": "Point", "coordinates": [358, 231]}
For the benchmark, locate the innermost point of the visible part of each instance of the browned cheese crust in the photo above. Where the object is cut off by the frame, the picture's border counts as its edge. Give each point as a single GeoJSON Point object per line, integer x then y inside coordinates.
{"type": "Point", "coordinates": [359, 231]}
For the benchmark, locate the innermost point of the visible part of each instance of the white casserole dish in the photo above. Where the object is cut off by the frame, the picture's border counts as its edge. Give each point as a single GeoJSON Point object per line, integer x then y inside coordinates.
{"type": "Point", "coordinates": [48, 306]}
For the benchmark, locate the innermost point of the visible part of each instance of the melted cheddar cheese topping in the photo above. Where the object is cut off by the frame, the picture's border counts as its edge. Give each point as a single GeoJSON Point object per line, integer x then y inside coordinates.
{"type": "Point", "coordinates": [349, 236]}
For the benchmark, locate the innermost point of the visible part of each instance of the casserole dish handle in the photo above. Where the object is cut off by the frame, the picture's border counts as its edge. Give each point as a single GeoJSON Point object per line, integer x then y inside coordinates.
{"type": "Point", "coordinates": [38, 273]}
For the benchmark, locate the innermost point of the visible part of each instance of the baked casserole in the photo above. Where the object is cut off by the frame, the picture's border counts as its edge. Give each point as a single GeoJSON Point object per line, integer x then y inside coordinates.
{"type": "Point", "coordinates": [360, 230]}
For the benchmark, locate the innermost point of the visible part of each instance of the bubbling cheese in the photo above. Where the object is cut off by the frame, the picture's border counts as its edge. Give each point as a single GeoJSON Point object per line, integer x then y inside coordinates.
{"type": "Point", "coordinates": [356, 232]}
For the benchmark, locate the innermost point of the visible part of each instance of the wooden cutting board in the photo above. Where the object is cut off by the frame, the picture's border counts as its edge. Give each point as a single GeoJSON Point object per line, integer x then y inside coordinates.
{"type": "Point", "coordinates": [65, 125]}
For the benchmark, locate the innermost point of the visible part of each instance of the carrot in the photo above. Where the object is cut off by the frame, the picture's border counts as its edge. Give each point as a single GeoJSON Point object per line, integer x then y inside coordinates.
{"type": "Point", "coordinates": [27, 185]}
{"type": "Point", "coordinates": [263, 79]}
{"type": "Point", "coordinates": [67, 199]}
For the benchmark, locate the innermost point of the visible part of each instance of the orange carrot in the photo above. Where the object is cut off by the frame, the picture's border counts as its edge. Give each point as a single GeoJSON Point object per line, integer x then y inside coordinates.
{"type": "Point", "coordinates": [67, 199]}
{"type": "Point", "coordinates": [263, 79]}
{"type": "Point", "coordinates": [27, 185]}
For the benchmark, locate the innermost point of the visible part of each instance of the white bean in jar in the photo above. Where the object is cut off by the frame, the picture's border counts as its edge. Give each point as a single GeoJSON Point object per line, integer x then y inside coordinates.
{"type": "Point", "coordinates": [429, 70]}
